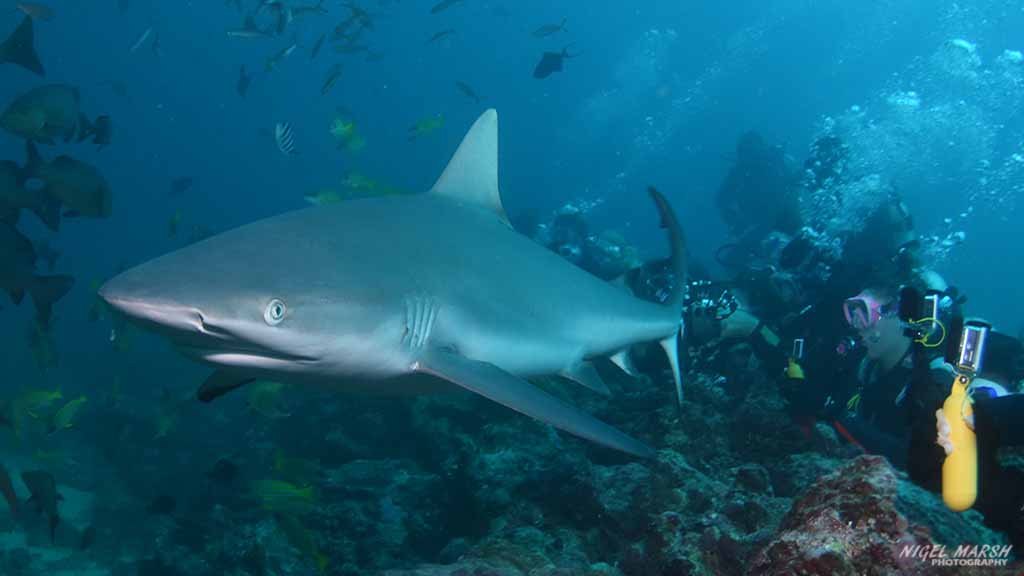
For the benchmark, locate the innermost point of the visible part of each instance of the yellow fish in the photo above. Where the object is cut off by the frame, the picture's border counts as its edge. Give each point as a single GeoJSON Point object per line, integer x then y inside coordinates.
{"type": "Point", "coordinates": [64, 418]}
{"type": "Point", "coordinates": [426, 126]}
{"type": "Point", "coordinates": [347, 136]}
{"type": "Point", "coordinates": [31, 403]}
{"type": "Point", "coordinates": [284, 497]}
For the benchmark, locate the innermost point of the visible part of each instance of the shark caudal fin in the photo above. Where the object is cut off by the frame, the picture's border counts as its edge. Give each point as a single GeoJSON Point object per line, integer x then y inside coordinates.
{"type": "Point", "coordinates": [677, 259]}
{"type": "Point", "coordinates": [19, 48]}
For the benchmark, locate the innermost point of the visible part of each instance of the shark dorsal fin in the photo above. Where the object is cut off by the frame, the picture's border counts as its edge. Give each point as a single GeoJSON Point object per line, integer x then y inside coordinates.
{"type": "Point", "coordinates": [472, 174]}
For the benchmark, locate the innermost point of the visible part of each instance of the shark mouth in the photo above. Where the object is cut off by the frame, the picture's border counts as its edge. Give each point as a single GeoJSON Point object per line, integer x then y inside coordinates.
{"type": "Point", "coordinates": [244, 357]}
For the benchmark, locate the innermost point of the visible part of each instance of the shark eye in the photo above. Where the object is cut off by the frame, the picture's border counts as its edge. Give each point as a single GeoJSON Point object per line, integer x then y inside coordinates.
{"type": "Point", "coordinates": [274, 313]}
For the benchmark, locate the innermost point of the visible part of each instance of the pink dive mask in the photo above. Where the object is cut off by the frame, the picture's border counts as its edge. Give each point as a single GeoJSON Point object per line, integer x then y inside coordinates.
{"type": "Point", "coordinates": [863, 311]}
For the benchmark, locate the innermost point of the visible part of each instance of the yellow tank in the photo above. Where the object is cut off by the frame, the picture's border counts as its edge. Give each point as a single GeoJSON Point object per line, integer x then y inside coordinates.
{"type": "Point", "coordinates": [960, 469]}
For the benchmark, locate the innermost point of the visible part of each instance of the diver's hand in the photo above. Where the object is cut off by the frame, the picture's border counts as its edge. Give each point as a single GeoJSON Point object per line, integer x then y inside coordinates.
{"type": "Point", "coordinates": [739, 324]}
{"type": "Point", "coordinates": [942, 425]}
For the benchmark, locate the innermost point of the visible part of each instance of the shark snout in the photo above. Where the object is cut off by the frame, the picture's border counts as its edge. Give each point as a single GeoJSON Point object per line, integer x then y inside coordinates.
{"type": "Point", "coordinates": [148, 307]}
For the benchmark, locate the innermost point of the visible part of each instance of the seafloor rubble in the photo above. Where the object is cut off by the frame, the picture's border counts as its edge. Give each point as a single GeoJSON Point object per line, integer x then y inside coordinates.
{"type": "Point", "coordinates": [452, 486]}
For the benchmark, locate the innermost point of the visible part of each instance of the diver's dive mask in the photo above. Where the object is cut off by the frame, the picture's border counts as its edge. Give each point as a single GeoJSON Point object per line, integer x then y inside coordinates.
{"type": "Point", "coordinates": [864, 311]}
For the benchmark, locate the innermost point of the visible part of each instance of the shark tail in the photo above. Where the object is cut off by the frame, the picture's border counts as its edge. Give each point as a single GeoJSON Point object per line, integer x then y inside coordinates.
{"type": "Point", "coordinates": [19, 48]}
{"type": "Point", "coordinates": [677, 258]}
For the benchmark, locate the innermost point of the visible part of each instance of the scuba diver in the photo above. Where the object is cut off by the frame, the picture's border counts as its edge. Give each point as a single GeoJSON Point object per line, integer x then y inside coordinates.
{"type": "Point", "coordinates": [892, 404]}
{"type": "Point", "coordinates": [789, 280]}
{"type": "Point", "coordinates": [759, 195]}
{"type": "Point", "coordinates": [607, 254]}
{"type": "Point", "coordinates": [789, 294]}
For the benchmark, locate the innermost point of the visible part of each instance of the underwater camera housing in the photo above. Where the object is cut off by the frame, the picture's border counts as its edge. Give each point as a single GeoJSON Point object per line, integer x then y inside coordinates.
{"type": "Point", "coordinates": [970, 350]}
{"type": "Point", "coordinates": [923, 316]}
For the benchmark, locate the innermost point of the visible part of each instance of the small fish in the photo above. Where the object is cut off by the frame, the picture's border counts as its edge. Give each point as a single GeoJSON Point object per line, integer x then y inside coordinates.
{"type": "Point", "coordinates": [439, 35]}
{"type": "Point", "coordinates": [285, 52]}
{"type": "Point", "coordinates": [284, 497]}
{"type": "Point", "coordinates": [332, 78]}
{"type": "Point", "coordinates": [425, 126]}
{"type": "Point", "coordinates": [465, 89]}
{"type": "Point", "coordinates": [181, 185]}
{"type": "Point", "coordinates": [316, 47]}
{"type": "Point", "coordinates": [284, 138]}
{"type": "Point", "coordinates": [244, 81]}
{"type": "Point", "coordinates": [549, 29]}
{"type": "Point", "coordinates": [37, 11]}
{"type": "Point", "coordinates": [140, 40]}
{"type": "Point", "coordinates": [551, 62]}
{"type": "Point", "coordinates": [64, 418]}
{"type": "Point", "coordinates": [443, 5]}
{"type": "Point", "coordinates": [34, 400]}
{"type": "Point", "coordinates": [344, 131]}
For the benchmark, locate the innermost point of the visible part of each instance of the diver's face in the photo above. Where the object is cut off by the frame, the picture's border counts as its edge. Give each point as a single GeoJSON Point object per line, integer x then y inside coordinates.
{"type": "Point", "coordinates": [884, 338]}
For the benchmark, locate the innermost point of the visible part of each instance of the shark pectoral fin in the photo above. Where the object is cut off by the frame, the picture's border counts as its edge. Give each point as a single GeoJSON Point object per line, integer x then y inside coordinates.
{"type": "Point", "coordinates": [623, 360]}
{"type": "Point", "coordinates": [220, 383]}
{"type": "Point", "coordinates": [671, 347]}
{"type": "Point", "coordinates": [585, 374]}
{"type": "Point", "coordinates": [472, 174]}
{"type": "Point", "coordinates": [495, 384]}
